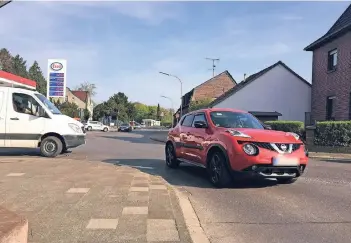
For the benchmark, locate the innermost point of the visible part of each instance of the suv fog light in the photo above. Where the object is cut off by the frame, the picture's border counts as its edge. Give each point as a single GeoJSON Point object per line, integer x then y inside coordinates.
{"type": "Point", "coordinates": [250, 149]}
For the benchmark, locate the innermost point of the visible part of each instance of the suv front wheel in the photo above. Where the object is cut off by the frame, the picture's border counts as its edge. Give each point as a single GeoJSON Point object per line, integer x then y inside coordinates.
{"type": "Point", "coordinates": [171, 158]}
{"type": "Point", "coordinates": [217, 170]}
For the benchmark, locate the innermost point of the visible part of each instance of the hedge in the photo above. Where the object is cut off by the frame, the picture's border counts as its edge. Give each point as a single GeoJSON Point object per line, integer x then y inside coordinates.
{"type": "Point", "coordinates": [288, 126]}
{"type": "Point", "coordinates": [333, 133]}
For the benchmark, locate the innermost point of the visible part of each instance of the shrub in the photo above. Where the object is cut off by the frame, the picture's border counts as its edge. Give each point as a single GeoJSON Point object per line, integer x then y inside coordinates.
{"type": "Point", "coordinates": [288, 126]}
{"type": "Point", "coordinates": [333, 133]}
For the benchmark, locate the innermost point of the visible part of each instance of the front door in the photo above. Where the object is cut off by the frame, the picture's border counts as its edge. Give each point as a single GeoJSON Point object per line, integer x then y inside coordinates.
{"type": "Point", "coordinates": [199, 137]}
{"type": "Point", "coordinates": [186, 138]}
{"type": "Point", "coordinates": [24, 126]}
{"type": "Point", "coordinates": [2, 118]}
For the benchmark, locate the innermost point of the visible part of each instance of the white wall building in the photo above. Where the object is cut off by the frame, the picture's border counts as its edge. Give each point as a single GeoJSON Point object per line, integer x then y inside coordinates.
{"type": "Point", "coordinates": [276, 91]}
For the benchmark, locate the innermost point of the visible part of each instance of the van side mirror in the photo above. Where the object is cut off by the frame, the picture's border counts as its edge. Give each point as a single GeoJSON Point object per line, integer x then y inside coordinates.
{"type": "Point", "coordinates": [200, 124]}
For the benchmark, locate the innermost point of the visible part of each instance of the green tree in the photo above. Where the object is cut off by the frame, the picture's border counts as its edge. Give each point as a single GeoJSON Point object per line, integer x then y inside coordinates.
{"type": "Point", "coordinates": [86, 114]}
{"type": "Point", "coordinates": [86, 86]}
{"type": "Point", "coordinates": [141, 112]}
{"type": "Point", "coordinates": [69, 109]}
{"type": "Point", "coordinates": [158, 112]}
{"type": "Point", "coordinates": [6, 61]}
{"type": "Point", "coordinates": [19, 66]}
{"type": "Point", "coordinates": [36, 74]}
{"type": "Point", "coordinates": [199, 104]}
{"type": "Point", "coordinates": [152, 114]}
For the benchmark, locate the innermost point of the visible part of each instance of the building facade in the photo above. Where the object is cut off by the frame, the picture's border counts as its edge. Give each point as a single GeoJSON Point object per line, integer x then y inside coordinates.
{"type": "Point", "coordinates": [331, 72]}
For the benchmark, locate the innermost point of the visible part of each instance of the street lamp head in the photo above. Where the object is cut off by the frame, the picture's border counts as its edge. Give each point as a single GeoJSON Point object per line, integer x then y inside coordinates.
{"type": "Point", "coordinates": [165, 73]}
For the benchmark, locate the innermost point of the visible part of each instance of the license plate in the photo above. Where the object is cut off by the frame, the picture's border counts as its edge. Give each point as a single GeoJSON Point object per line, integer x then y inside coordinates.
{"type": "Point", "coordinates": [285, 161]}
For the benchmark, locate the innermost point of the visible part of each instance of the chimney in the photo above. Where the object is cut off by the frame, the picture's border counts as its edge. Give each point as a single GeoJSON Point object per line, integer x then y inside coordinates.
{"type": "Point", "coordinates": [244, 77]}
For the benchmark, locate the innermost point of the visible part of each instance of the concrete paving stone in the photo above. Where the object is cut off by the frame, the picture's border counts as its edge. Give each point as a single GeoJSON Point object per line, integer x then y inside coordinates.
{"type": "Point", "coordinates": [97, 236]}
{"type": "Point", "coordinates": [68, 198]}
{"type": "Point", "coordinates": [144, 184]}
{"type": "Point", "coordinates": [139, 189]}
{"type": "Point", "coordinates": [158, 187]}
{"type": "Point", "coordinates": [78, 190]}
{"type": "Point", "coordinates": [161, 230]}
{"type": "Point", "coordinates": [15, 174]}
{"type": "Point", "coordinates": [135, 210]}
{"type": "Point", "coordinates": [102, 224]}
{"type": "Point", "coordinates": [160, 206]}
{"type": "Point", "coordinates": [138, 199]}
{"type": "Point", "coordinates": [131, 228]}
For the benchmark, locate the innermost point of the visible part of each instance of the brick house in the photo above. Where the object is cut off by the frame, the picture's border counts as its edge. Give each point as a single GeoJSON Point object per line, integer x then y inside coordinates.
{"type": "Point", "coordinates": [331, 72]}
{"type": "Point", "coordinates": [212, 88]}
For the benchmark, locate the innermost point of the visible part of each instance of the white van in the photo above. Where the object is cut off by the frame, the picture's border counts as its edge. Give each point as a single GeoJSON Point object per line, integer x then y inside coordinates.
{"type": "Point", "coordinates": [29, 120]}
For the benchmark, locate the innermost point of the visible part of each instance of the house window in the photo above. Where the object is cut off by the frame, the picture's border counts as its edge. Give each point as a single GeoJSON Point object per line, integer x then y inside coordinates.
{"type": "Point", "coordinates": [330, 106]}
{"type": "Point", "coordinates": [66, 98]}
{"type": "Point", "coordinates": [332, 59]}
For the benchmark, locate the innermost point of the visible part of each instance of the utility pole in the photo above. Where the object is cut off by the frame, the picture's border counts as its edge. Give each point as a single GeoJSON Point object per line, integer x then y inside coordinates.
{"type": "Point", "coordinates": [213, 64]}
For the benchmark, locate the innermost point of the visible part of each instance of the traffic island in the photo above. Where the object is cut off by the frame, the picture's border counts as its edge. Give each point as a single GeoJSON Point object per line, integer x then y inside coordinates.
{"type": "Point", "coordinates": [13, 228]}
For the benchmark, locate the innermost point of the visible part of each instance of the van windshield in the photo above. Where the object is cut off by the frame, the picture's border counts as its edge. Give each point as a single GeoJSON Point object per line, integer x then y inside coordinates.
{"type": "Point", "coordinates": [48, 104]}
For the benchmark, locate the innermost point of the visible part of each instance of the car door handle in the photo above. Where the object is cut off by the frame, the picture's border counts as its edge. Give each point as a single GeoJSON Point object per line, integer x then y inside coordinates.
{"type": "Point", "coordinates": [14, 118]}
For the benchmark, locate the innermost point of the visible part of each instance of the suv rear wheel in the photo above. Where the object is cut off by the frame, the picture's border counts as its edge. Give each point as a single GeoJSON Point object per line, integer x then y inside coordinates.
{"type": "Point", "coordinates": [171, 159]}
{"type": "Point", "coordinates": [217, 170]}
{"type": "Point", "coordinates": [105, 129]}
{"type": "Point", "coordinates": [90, 128]}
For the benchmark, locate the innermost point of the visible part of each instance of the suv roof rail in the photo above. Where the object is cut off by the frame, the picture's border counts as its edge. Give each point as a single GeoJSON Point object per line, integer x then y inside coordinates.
{"type": "Point", "coordinates": [14, 81]}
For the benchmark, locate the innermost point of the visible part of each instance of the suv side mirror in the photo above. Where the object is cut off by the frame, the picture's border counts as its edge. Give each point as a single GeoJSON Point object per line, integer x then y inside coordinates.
{"type": "Point", "coordinates": [267, 127]}
{"type": "Point", "coordinates": [200, 124]}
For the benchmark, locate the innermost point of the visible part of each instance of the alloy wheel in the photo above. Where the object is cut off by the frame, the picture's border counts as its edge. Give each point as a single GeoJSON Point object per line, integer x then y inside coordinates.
{"type": "Point", "coordinates": [215, 168]}
{"type": "Point", "coordinates": [169, 154]}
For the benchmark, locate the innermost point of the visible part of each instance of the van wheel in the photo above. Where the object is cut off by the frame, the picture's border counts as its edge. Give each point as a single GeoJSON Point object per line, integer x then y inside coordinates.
{"type": "Point", "coordinates": [217, 170]}
{"type": "Point", "coordinates": [90, 128]}
{"type": "Point", "coordinates": [105, 129]}
{"type": "Point", "coordinates": [171, 159]}
{"type": "Point", "coordinates": [51, 146]}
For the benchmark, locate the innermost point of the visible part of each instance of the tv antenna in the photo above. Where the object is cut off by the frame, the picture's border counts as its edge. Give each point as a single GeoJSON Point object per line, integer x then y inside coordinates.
{"type": "Point", "coordinates": [213, 64]}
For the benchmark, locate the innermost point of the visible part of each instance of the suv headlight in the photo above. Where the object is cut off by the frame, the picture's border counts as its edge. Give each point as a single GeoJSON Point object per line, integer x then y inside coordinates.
{"type": "Point", "coordinates": [297, 137]}
{"type": "Point", "coordinates": [75, 127]}
{"type": "Point", "coordinates": [236, 133]}
{"type": "Point", "coordinates": [250, 149]}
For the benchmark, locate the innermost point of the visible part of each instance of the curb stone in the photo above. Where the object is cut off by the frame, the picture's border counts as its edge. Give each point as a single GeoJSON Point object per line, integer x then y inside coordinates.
{"type": "Point", "coordinates": [192, 222]}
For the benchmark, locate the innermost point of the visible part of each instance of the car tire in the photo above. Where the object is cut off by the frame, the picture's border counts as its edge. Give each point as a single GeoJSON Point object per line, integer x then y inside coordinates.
{"type": "Point", "coordinates": [51, 147]}
{"type": "Point", "coordinates": [89, 128]}
{"type": "Point", "coordinates": [217, 170]}
{"type": "Point", "coordinates": [286, 180]}
{"type": "Point", "coordinates": [171, 158]}
{"type": "Point", "coordinates": [105, 129]}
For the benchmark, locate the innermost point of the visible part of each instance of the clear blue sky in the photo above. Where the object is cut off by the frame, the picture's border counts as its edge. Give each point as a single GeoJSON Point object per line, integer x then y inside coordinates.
{"type": "Point", "coordinates": [121, 46]}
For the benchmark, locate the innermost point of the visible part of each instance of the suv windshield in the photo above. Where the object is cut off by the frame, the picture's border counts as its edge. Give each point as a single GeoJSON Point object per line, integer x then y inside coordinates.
{"type": "Point", "coordinates": [229, 119]}
{"type": "Point", "coordinates": [48, 104]}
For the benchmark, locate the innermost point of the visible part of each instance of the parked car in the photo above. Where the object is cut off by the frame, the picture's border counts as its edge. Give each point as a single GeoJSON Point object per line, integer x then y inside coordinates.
{"type": "Point", "coordinates": [96, 126]}
{"type": "Point", "coordinates": [230, 142]}
{"type": "Point", "coordinates": [125, 127]}
{"type": "Point", "coordinates": [137, 126]}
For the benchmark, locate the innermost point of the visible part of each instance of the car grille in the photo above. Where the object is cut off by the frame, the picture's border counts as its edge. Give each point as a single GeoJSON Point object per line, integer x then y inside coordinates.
{"type": "Point", "coordinates": [295, 146]}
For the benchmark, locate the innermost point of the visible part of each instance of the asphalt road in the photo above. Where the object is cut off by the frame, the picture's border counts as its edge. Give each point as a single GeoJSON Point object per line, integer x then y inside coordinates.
{"type": "Point", "coordinates": [314, 209]}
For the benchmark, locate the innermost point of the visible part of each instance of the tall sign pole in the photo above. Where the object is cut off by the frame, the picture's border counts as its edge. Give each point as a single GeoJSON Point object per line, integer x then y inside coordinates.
{"type": "Point", "coordinates": [57, 77]}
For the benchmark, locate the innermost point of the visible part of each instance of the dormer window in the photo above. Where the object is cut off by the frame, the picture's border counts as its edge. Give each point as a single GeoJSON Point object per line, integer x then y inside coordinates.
{"type": "Point", "coordinates": [332, 59]}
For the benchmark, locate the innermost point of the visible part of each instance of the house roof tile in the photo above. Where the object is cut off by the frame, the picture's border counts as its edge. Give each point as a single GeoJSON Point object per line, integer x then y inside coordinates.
{"type": "Point", "coordinates": [82, 95]}
{"type": "Point", "coordinates": [341, 26]}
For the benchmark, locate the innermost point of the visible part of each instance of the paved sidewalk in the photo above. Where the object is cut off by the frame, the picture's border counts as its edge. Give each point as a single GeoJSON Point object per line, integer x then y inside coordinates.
{"type": "Point", "coordinates": [77, 201]}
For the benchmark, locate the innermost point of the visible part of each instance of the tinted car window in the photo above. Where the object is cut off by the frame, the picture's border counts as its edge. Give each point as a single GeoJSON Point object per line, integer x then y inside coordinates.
{"type": "Point", "coordinates": [188, 120]}
{"type": "Point", "coordinates": [199, 117]}
{"type": "Point", "coordinates": [230, 119]}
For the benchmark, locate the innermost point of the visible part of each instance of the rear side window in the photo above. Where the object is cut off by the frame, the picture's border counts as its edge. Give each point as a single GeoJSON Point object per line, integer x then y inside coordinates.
{"type": "Point", "coordinates": [188, 121]}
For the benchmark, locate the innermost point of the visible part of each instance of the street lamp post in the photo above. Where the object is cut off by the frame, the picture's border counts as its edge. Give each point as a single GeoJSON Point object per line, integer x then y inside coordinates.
{"type": "Point", "coordinates": [181, 90]}
{"type": "Point", "coordinates": [172, 106]}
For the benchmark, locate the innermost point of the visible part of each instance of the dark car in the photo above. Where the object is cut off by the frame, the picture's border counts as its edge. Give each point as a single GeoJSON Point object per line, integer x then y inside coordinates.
{"type": "Point", "coordinates": [125, 128]}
